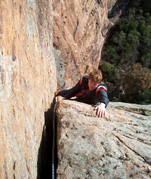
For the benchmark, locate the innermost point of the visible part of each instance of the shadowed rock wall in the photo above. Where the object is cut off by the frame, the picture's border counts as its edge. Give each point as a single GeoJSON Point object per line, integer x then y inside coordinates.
{"type": "Point", "coordinates": [27, 83]}
{"type": "Point", "coordinates": [117, 146]}
{"type": "Point", "coordinates": [79, 28]}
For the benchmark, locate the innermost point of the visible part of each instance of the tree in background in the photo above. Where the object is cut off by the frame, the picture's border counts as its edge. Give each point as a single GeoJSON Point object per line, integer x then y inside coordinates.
{"type": "Point", "coordinates": [109, 71]}
{"type": "Point", "coordinates": [137, 80]}
{"type": "Point", "coordinates": [131, 41]}
{"type": "Point", "coordinates": [128, 49]}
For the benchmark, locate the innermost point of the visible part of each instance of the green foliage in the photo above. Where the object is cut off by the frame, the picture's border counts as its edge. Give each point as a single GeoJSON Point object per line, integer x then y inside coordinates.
{"type": "Point", "coordinates": [145, 59]}
{"type": "Point", "coordinates": [109, 72]}
{"type": "Point", "coordinates": [128, 48]}
{"type": "Point", "coordinates": [137, 80]}
{"type": "Point", "coordinates": [112, 54]}
{"type": "Point", "coordinates": [132, 39]}
{"type": "Point", "coordinates": [144, 98]}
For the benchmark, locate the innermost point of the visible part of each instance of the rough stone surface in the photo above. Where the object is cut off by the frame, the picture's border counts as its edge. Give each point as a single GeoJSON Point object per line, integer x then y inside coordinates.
{"type": "Point", "coordinates": [79, 28]}
{"type": "Point", "coordinates": [60, 68]}
{"type": "Point", "coordinates": [117, 146]}
{"type": "Point", "coordinates": [27, 83]}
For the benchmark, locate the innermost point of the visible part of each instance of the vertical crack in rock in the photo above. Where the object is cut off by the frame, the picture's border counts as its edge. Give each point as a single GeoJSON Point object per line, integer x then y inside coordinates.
{"type": "Point", "coordinates": [76, 28]}
{"type": "Point", "coordinates": [47, 157]}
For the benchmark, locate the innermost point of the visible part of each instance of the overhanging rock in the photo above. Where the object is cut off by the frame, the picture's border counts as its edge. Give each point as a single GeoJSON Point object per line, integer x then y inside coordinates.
{"type": "Point", "coordinates": [117, 146]}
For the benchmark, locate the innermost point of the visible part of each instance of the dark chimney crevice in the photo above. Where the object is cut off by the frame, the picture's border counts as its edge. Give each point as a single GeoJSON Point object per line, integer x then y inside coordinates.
{"type": "Point", "coordinates": [47, 155]}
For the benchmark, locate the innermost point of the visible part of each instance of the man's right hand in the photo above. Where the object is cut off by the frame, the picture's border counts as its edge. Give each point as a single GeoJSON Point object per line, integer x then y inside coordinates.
{"type": "Point", "coordinates": [100, 110]}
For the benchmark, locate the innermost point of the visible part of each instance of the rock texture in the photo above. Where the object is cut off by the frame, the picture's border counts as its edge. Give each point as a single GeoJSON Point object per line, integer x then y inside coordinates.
{"type": "Point", "coordinates": [27, 83]}
{"type": "Point", "coordinates": [79, 28]}
{"type": "Point", "coordinates": [117, 146]}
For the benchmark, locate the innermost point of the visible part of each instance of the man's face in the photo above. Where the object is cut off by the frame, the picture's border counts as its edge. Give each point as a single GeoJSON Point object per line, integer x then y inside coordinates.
{"type": "Point", "coordinates": [92, 85]}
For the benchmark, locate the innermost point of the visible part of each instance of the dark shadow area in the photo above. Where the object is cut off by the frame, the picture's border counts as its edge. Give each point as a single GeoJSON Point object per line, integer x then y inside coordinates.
{"type": "Point", "coordinates": [120, 8]}
{"type": "Point", "coordinates": [120, 5]}
{"type": "Point", "coordinates": [47, 155]}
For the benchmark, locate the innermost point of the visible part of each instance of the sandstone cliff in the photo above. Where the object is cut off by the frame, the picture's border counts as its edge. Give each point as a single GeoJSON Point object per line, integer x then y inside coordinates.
{"type": "Point", "coordinates": [29, 74]}
{"type": "Point", "coordinates": [117, 146]}
{"type": "Point", "coordinates": [27, 83]}
{"type": "Point", "coordinates": [79, 28]}
{"type": "Point", "coordinates": [28, 69]}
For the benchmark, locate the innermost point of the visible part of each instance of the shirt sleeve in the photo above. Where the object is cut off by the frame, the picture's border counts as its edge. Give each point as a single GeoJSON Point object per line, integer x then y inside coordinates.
{"type": "Point", "coordinates": [103, 97]}
{"type": "Point", "coordinates": [73, 91]}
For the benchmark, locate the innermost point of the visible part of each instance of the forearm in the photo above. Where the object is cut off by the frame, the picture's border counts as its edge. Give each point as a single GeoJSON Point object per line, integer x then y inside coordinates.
{"type": "Point", "coordinates": [72, 92]}
{"type": "Point", "coordinates": [103, 98]}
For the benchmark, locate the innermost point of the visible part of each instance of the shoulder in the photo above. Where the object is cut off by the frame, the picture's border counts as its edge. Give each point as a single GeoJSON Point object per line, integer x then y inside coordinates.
{"type": "Point", "coordinates": [84, 79]}
{"type": "Point", "coordinates": [103, 84]}
{"type": "Point", "coordinates": [101, 88]}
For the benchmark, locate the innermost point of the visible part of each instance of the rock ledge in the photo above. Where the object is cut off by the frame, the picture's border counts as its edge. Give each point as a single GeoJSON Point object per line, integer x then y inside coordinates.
{"type": "Point", "coordinates": [117, 146]}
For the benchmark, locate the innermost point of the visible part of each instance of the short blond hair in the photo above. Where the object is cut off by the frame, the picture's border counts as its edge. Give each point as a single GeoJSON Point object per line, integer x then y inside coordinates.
{"type": "Point", "coordinates": [96, 76]}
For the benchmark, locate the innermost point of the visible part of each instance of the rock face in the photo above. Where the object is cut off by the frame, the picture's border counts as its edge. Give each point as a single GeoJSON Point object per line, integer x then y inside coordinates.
{"type": "Point", "coordinates": [117, 146]}
{"type": "Point", "coordinates": [29, 78]}
{"type": "Point", "coordinates": [27, 83]}
{"type": "Point", "coordinates": [79, 28]}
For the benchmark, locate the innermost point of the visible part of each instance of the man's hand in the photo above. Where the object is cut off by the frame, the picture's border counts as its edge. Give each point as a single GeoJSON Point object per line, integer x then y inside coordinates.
{"type": "Point", "coordinates": [100, 110]}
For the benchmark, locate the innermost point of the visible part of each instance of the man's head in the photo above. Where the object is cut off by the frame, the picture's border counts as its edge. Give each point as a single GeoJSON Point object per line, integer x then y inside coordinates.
{"type": "Point", "coordinates": [95, 78]}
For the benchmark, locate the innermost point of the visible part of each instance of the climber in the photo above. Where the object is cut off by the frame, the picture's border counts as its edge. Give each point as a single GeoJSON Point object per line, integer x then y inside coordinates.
{"type": "Point", "coordinates": [91, 90]}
